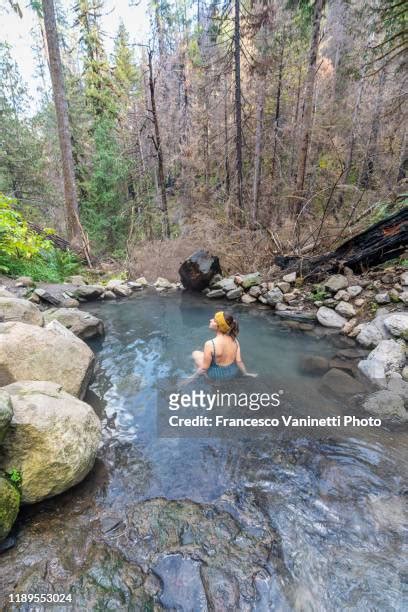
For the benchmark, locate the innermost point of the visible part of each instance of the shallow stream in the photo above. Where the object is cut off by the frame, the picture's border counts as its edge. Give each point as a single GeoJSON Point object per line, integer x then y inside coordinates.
{"type": "Point", "coordinates": [305, 522]}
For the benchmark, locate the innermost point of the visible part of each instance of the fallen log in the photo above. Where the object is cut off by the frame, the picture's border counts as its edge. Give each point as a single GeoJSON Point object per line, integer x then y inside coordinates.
{"type": "Point", "coordinates": [58, 241]}
{"type": "Point", "coordinates": [380, 242]}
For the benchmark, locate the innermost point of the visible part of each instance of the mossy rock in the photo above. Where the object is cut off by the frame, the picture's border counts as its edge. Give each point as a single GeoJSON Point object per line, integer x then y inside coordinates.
{"type": "Point", "coordinates": [9, 506]}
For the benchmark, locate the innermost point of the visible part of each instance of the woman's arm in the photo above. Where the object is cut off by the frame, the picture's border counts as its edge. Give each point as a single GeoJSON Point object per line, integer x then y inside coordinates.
{"type": "Point", "coordinates": [241, 364]}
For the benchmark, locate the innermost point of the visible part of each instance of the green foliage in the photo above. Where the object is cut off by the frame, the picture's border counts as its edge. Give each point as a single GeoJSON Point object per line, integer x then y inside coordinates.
{"type": "Point", "coordinates": [404, 263]}
{"type": "Point", "coordinates": [23, 252]}
{"type": "Point", "coordinates": [318, 293]}
{"type": "Point", "coordinates": [15, 477]}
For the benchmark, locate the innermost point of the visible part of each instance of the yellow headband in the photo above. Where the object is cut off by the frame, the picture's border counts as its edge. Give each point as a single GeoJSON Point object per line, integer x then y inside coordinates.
{"type": "Point", "coordinates": [221, 322]}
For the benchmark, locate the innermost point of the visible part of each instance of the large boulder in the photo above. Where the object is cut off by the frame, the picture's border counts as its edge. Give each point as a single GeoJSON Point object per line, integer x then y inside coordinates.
{"type": "Point", "coordinates": [274, 296]}
{"type": "Point", "coordinates": [29, 352]}
{"type": "Point", "coordinates": [88, 292]}
{"type": "Point", "coordinates": [388, 356]}
{"type": "Point", "coordinates": [6, 413]}
{"type": "Point", "coordinates": [9, 506]}
{"type": "Point", "coordinates": [15, 309]}
{"type": "Point", "coordinates": [329, 318]}
{"type": "Point", "coordinates": [52, 440]}
{"type": "Point", "coordinates": [197, 271]}
{"type": "Point", "coordinates": [82, 324]}
{"type": "Point", "coordinates": [397, 324]}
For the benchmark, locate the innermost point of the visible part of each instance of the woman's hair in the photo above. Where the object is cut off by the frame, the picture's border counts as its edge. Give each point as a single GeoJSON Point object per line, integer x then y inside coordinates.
{"type": "Point", "coordinates": [233, 323]}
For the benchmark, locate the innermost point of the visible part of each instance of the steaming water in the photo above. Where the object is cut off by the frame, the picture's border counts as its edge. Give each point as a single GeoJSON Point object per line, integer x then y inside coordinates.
{"type": "Point", "coordinates": [337, 503]}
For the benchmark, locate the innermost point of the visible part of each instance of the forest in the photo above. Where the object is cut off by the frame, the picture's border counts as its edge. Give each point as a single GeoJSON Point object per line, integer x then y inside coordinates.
{"type": "Point", "coordinates": [249, 128]}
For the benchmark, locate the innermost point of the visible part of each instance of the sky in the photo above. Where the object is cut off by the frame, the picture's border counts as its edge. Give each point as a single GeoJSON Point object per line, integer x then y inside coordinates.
{"type": "Point", "coordinates": [17, 32]}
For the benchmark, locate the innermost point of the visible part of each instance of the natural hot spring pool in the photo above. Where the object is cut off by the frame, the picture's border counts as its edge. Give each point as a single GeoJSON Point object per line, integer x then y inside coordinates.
{"type": "Point", "coordinates": [231, 523]}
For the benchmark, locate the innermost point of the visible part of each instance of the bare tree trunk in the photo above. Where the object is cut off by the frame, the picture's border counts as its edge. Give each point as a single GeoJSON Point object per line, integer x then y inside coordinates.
{"type": "Point", "coordinates": [295, 123]}
{"type": "Point", "coordinates": [74, 228]}
{"type": "Point", "coordinates": [308, 105]}
{"type": "Point", "coordinates": [238, 112]}
{"type": "Point", "coordinates": [403, 159]}
{"type": "Point", "coordinates": [368, 167]}
{"type": "Point", "coordinates": [159, 152]}
{"type": "Point", "coordinates": [277, 110]}
{"type": "Point", "coordinates": [226, 143]}
{"type": "Point", "coordinates": [258, 147]}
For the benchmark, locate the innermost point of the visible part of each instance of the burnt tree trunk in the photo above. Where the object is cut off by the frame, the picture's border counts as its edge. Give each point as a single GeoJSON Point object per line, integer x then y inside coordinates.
{"type": "Point", "coordinates": [382, 241]}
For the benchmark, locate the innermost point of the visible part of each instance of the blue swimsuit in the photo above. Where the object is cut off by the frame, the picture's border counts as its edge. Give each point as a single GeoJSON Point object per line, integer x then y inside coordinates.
{"type": "Point", "coordinates": [221, 372]}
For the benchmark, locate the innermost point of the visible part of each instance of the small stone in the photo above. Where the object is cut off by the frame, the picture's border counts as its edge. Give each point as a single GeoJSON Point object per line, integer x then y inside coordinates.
{"type": "Point", "coordinates": [122, 290]}
{"type": "Point", "coordinates": [318, 303]}
{"type": "Point", "coordinates": [255, 291]}
{"type": "Point", "coordinates": [284, 287]}
{"type": "Point", "coordinates": [336, 282]}
{"type": "Point", "coordinates": [34, 298]}
{"type": "Point", "coordinates": [289, 278]}
{"type": "Point", "coordinates": [404, 297]}
{"type": "Point", "coordinates": [262, 299]}
{"type": "Point", "coordinates": [226, 284]}
{"type": "Point", "coordinates": [88, 292]}
{"type": "Point", "coordinates": [24, 281]}
{"type": "Point", "coordinates": [141, 281]}
{"type": "Point", "coordinates": [387, 278]}
{"type": "Point", "coordinates": [369, 334]}
{"type": "Point", "coordinates": [330, 302]}
{"type": "Point", "coordinates": [345, 309]}
{"type": "Point", "coordinates": [342, 295]}
{"type": "Point", "coordinates": [215, 293]}
{"type": "Point", "coordinates": [134, 286]}
{"type": "Point", "coordinates": [235, 293]}
{"type": "Point", "coordinates": [354, 290]}
{"type": "Point", "coordinates": [404, 279]}
{"type": "Point", "coordinates": [247, 299]}
{"type": "Point", "coordinates": [47, 296]}
{"type": "Point", "coordinates": [329, 318]}
{"type": "Point", "coordinates": [359, 302]}
{"type": "Point", "coordinates": [289, 297]}
{"type": "Point", "coordinates": [69, 303]}
{"type": "Point", "coordinates": [274, 296]}
{"type": "Point", "coordinates": [76, 279]}
{"type": "Point", "coordinates": [349, 326]}
{"type": "Point", "coordinates": [404, 373]}
{"type": "Point", "coordinates": [382, 298]}
{"type": "Point", "coordinates": [162, 283]}
{"type": "Point", "coordinates": [270, 285]}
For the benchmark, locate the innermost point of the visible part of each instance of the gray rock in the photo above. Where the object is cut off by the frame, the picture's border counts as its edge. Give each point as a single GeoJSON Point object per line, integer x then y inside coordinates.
{"type": "Point", "coordinates": [386, 404]}
{"type": "Point", "coordinates": [215, 293]}
{"type": "Point", "coordinates": [76, 279]}
{"type": "Point", "coordinates": [345, 309]}
{"type": "Point", "coordinates": [134, 286]}
{"type": "Point", "coordinates": [83, 324]}
{"type": "Point", "coordinates": [30, 352]}
{"type": "Point", "coordinates": [52, 441]}
{"type": "Point", "coordinates": [47, 296]}
{"type": "Point", "coordinates": [394, 296]}
{"type": "Point", "coordinates": [397, 324]}
{"type": "Point", "coordinates": [6, 413]}
{"type": "Point", "coordinates": [359, 302]}
{"type": "Point", "coordinates": [122, 290]}
{"type": "Point", "coordinates": [284, 287]}
{"type": "Point", "coordinates": [354, 290]}
{"type": "Point", "coordinates": [226, 284]}
{"type": "Point", "coordinates": [340, 383]}
{"type": "Point", "coordinates": [383, 298]}
{"type": "Point", "coordinates": [162, 283]}
{"type": "Point", "coordinates": [114, 282]}
{"type": "Point", "coordinates": [247, 299]}
{"type": "Point", "coordinates": [388, 356]}
{"type": "Point", "coordinates": [108, 295]}
{"type": "Point", "coordinates": [289, 278]}
{"type": "Point", "coordinates": [274, 296]}
{"type": "Point", "coordinates": [342, 295]}
{"type": "Point", "coordinates": [88, 292]}
{"type": "Point", "coordinates": [404, 373]}
{"type": "Point", "coordinates": [285, 312]}
{"type": "Point", "coordinates": [349, 326]}
{"type": "Point", "coordinates": [404, 279]}
{"type": "Point", "coordinates": [9, 506]}
{"type": "Point", "coordinates": [371, 334]}
{"type": "Point", "coordinates": [262, 299]}
{"type": "Point", "coordinates": [24, 281]}
{"type": "Point", "coordinates": [289, 297]}
{"type": "Point", "coordinates": [142, 281]}
{"type": "Point", "coordinates": [255, 291]}
{"type": "Point", "coordinates": [69, 303]}
{"type": "Point", "coordinates": [336, 282]}
{"type": "Point", "coordinates": [15, 309]}
{"type": "Point", "coordinates": [235, 293]}
{"type": "Point", "coordinates": [398, 385]}
{"type": "Point", "coordinates": [404, 297]}
{"type": "Point", "coordinates": [329, 318]}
